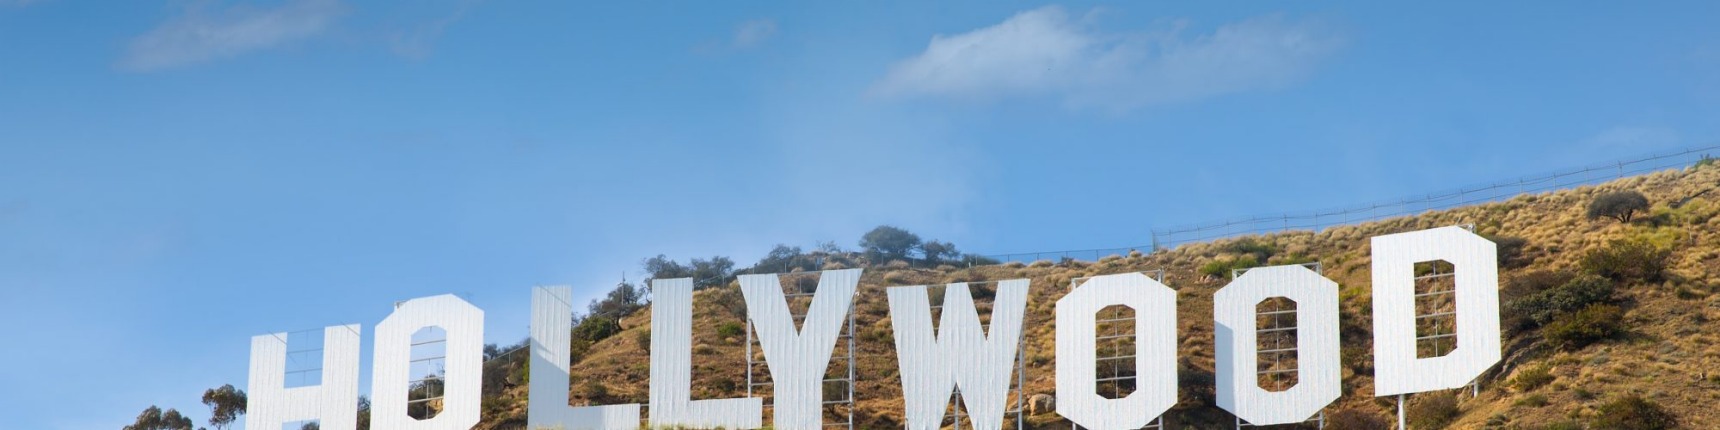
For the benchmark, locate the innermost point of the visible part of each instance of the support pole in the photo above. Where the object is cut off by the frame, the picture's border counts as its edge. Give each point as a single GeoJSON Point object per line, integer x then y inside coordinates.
{"type": "Point", "coordinates": [1401, 425]}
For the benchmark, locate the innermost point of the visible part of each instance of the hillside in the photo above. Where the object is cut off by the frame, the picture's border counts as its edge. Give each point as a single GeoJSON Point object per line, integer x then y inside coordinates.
{"type": "Point", "coordinates": [1547, 380]}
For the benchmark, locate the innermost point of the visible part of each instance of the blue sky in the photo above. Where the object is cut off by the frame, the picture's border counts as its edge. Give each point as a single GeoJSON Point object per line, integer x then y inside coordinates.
{"type": "Point", "coordinates": [178, 176]}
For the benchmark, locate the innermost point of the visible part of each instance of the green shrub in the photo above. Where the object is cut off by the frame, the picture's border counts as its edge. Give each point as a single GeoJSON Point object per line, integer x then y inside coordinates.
{"type": "Point", "coordinates": [594, 390]}
{"type": "Point", "coordinates": [1249, 246]}
{"type": "Point", "coordinates": [1433, 410]}
{"type": "Point", "coordinates": [1619, 205]}
{"type": "Point", "coordinates": [1628, 260]}
{"type": "Point", "coordinates": [1511, 251]}
{"type": "Point", "coordinates": [1632, 412]}
{"type": "Point", "coordinates": [1564, 425]}
{"type": "Point", "coordinates": [1527, 284]}
{"type": "Point", "coordinates": [1585, 327]}
{"type": "Point", "coordinates": [596, 328]}
{"type": "Point", "coordinates": [1531, 378]}
{"type": "Point", "coordinates": [731, 329]}
{"type": "Point", "coordinates": [1541, 307]}
{"type": "Point", "coordinates": [1223, 268]}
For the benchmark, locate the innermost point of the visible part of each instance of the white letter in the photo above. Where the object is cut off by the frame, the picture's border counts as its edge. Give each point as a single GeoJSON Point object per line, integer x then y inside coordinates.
{"type": "Point", "coordinates": [464, 352]}
{"type": "Point", "coordinates": [1476, 260]}
{"type": "Point", "coordinates": [1155, 307]}
{"type": "Point", "coordinates": [334, 403]}
{"type": "Point", "coordinates": [960, 354]}
{"type": "Point", "coordinates": [672, 368]}
{"type": "Point", "coordinates": [798, 358]}
{"type": "Point", "coordinates": [1318, 377]}
{"type": "Point", "coordinates": [547, 403]}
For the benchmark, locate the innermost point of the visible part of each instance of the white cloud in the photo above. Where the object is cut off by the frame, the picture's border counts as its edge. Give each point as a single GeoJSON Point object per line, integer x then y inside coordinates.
{"type": "Point", "coordinates": [205, 32]}
{"type": "Point", "coordinates": [1633, 137]}
{"type": "Point", "coordinates": [754, 32]}
{"type": "Point", "coordinates": [417, 42]}
{"type": "Point", "coordinates": [1043, 52]}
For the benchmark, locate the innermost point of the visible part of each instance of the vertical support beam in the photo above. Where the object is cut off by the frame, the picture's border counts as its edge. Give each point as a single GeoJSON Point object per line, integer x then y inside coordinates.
{"type": "Point", "coordinates": [1401, 425]}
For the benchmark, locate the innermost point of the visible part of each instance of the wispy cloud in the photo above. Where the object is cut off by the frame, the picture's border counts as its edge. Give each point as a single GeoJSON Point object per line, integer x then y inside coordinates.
{"type": "Point", "coordinates": [754, 32]}
{"type": "Point", "coordinates": [418, 42]}
{"type": "Point", "coordinates": [1044, 52]}
{"type": "Point", "coordinates": [1632, 137]}
{"type": "Point", "coordinates": [206, 32]}
{"type": "Point", "coordinates": [748, 35]}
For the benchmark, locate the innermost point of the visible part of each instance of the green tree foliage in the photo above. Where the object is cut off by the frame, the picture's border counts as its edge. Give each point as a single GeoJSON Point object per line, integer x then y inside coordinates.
{"type": "Point", "coordinates": [624, 300]}
{"type": "Point", "coordinates": [1632, 412]}
{"type": "Point", "coordinates": [363, 413]}
{"type": "Point", "coordinates": [1585, 327]}
{"type": "Point", "coordinates": [785, 259]}
{"type": "Point", "coordinates": [716, 271]}
{"type": "Point", "coordinates": [1619, 205]}
{"type": "Point", "coordinates": [662, 267]}
{"type": "Point", "coordinates": [1538, 308]}
{"type": "Point", "coordinates": [154, 418]}
{"type": "Point", "coordinates": [596, 328]}
{"type": "Point", "coordinates": [225, 404]}
{"type": "Point", "coordinates": [1628, 260]}
{"type": "Point", "coordinates": [939, 252]}
{"type": "Point", "coordinates": [889, 243]}
{"type": "Point", "coordinates": [311, 426]}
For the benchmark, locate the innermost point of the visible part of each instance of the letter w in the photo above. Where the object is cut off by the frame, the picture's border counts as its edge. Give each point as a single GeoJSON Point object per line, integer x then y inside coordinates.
{"type": "Point", "coordinates": [959, 355]}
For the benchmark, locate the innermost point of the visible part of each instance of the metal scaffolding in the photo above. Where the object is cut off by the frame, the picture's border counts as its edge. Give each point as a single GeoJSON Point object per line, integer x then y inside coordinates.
{"type": "Point", "coordinates": [1116, 339]}
{"type": "Point", "coordinates": [758, 374]}
{"type": "Point", "coordinates": [1436, 316]}
{"type": "Point", "coordinates": [1273, 366]}
{"type": "Point", "coordinates": [429, 361]}
{"type": "Point", "coordinates": [304, 358]}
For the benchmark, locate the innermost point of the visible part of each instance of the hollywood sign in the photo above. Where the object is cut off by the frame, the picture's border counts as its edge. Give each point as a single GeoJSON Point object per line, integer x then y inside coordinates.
{"type": "Point", "coordinates": [958, 353]}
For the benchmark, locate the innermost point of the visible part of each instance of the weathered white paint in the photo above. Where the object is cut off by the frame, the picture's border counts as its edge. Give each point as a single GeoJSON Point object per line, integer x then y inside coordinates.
{"type": "Point", "coordinates": [959, 354]}
{"type": "Point", "coordinates": [1155, 352]}
{"type": "Point", "coordinates": [1319, 377]}
{"type": "Point", "coordinates": [391, 377]}
{"type": "Point", "coordinates": [270, 405]}
{"type": "Point", "coordinates": [672, 368]}
{"type": "Point", "coordinates": [1397, 370]}
{"type": "Point", "coordinates": [798, 357]}
{"type": "Point", "coordinates": [547, 400]}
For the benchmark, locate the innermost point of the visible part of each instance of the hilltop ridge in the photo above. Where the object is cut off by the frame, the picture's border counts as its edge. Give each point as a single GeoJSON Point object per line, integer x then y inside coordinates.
{"type": "Point", "coordinates": [1654, 363]}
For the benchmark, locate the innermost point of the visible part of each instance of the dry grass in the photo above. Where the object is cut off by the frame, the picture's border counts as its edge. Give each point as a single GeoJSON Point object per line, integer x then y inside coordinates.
{"type": "Point", "coordinates": [1664, 356]}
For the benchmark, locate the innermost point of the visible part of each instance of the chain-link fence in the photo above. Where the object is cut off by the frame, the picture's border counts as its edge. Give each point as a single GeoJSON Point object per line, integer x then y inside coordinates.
{"type": "Point", "coordinates": [1315, 220]}
{"type": "Point", "coordinates": [1323, 219]}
